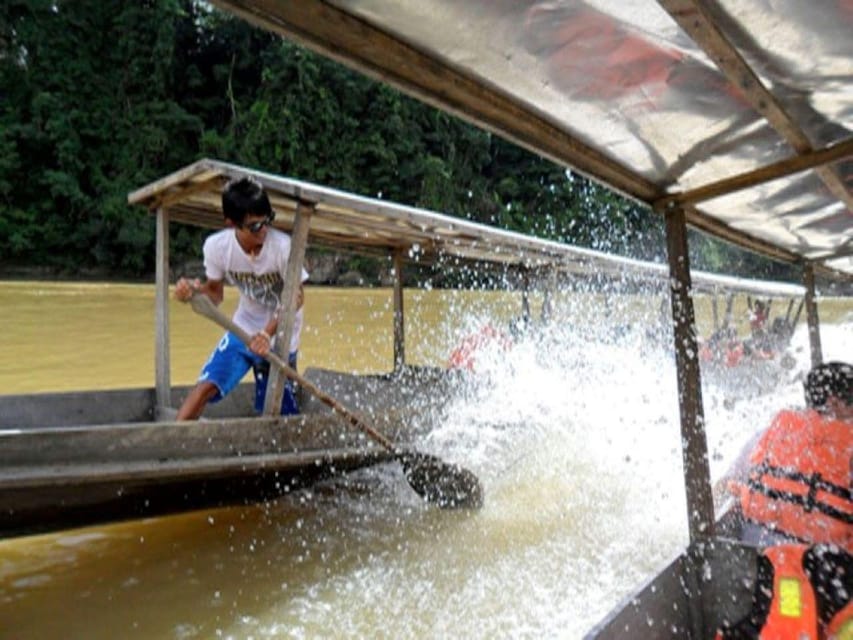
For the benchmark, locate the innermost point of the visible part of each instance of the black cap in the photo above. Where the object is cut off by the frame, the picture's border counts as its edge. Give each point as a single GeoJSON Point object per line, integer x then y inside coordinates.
{"type": "Point", "coordinates": [830, 379]}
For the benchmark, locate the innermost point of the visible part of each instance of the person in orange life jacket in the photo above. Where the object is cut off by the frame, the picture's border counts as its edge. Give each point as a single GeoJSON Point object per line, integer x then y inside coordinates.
{"type": "Point", "coordinates": [252, 256]}
{"type": "Point", "coordinates": [464, 356]}
{"type": "Point", "coordinates": [800, 592]}
{"type": "Point", "coordinates": [723, 348]}
{"type": "Point", "coordinates": [758, 314]}
{"type": "Point", "coordinates": [797, 484]}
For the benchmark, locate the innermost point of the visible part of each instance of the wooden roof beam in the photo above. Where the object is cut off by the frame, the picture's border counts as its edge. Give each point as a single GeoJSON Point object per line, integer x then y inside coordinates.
{"type": "Point", "coordinates": [749, 179]}
{"type": "Point", "coordinates": [696, 18]}
{"type": "Point", "coordinates": [202, 170]}
{"type": "Point", "coordinates": [723, 231]}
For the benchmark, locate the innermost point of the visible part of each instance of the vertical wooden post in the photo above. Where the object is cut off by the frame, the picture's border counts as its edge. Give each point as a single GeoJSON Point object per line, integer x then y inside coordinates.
{"type": "Point", "coordinates": [727, 321]}
{"type": "Point", "coordinates": [287, 312]}
{"type": "Point", "coordinates": [525, 296]}
{"type": "Point", "coordinates": [548, 297]}
{"type": "Point", "coordinates": [163, 387]}
{"type": "Point", "coordinates": [697, 476]}
{"type": "Point", "coordinates": [399, 317]}
{"type": "Point", "coordinates": [715, 312]}
{"type": "Point", "coordinates": [694, 447]}
{"type": "Point", "coordinates": [788, 312]}
{"type": "Point", "coordinates": [811, 315]}
{"type": "Point", "coordinates": [799, 312]}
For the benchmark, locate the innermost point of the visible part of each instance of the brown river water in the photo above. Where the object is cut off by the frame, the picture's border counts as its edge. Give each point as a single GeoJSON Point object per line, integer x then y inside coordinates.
{"type": "Point", "coordinates": [574, 437]}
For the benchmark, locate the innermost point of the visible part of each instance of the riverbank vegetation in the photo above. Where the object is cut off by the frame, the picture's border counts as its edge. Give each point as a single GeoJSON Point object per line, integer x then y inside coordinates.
{"type": "Point", "coordinates": [100, 97]}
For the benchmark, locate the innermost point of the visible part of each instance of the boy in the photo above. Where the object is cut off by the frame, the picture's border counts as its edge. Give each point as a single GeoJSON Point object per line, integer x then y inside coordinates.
{"type": "Point", "coordinates": [252, 256]}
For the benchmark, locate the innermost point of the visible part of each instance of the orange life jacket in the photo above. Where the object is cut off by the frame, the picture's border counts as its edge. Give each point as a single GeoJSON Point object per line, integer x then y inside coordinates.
{"type": "Point", "coordinates": [465, 355]}
{"type": "Point", "coordinates": [799, 479]}
{"type": "Point", "coordinates": [793, 608]}
{"type": "Point", "coordinates": [734, 354]}
{"type": "Point", "coordinates": [784, 604]}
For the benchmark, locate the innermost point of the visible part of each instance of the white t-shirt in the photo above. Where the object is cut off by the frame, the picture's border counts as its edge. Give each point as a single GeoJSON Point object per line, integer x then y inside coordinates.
{"type": "Point", "coordinates": [260, 279]}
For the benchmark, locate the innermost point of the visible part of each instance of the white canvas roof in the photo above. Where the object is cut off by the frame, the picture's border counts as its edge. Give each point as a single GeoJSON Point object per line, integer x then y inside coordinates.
{"type": "Point", "coordinates": [737, 110]}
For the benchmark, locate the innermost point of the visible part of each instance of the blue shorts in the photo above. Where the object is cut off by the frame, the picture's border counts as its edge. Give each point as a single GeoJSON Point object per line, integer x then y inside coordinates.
{"type": "Point", "coordinates": [230, 361]}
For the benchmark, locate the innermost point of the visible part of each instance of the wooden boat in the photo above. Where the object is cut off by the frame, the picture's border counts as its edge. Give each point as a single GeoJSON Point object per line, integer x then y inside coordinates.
{"type": "Point", "coordinates": [71, 459]}
{"type": "Point", "coordinates": [714, 114]}
{"type": "Point", "coordinates": [85, 457]}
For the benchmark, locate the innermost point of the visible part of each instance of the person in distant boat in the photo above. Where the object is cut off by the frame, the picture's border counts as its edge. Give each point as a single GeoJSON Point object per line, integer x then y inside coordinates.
{"type": "Point", "coordinates": [796, 483]}
{"type": "Point", "coordinates": [252, 256]}
{"type": "Point", "coordinates": [723, 347]}
{"type": "Point", "coordinates": [758, 315]}
{"type": "Point", "coordinates": [464, 356]}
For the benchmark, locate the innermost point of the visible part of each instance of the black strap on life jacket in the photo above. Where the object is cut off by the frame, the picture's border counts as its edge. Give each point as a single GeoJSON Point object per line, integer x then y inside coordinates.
{"type": "Point", "coordinates": [830, 571]}
{"type": "Point", "coordinates": [808, 502]}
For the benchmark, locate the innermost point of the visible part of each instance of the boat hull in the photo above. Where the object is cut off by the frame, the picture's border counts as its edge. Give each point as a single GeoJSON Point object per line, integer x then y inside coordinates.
{"type": "Point", "coordinates": [706, 586]}
{"type": "Point", "coordinates": [75, 459]}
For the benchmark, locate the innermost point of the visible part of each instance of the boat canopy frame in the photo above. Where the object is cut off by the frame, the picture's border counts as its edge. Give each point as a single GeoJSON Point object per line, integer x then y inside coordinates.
{"type": "Point", "coordinates": [321, 216]}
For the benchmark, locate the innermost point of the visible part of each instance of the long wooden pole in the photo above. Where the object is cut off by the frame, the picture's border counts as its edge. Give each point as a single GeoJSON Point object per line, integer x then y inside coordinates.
{"type": "Point", "coordinates": [287, 313]}
{"type": "Point", "coordinates": [448, 485]}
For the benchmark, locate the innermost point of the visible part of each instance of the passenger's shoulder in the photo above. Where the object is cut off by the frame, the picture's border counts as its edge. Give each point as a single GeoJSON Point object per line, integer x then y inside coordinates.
{"type": "Point", "coordinates": [219, 237]}
{"type": "Point", "coordinates": [789, 415]}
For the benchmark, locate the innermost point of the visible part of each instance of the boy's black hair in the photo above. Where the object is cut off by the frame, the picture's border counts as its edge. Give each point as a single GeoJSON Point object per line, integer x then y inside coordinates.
{"type": "Point", "coordinates": [242, 197]}
{"type": "Point", "coordinates": [830, 379]}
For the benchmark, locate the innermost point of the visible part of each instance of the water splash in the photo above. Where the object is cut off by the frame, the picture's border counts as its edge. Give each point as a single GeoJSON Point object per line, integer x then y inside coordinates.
{"type": "Point", "coordinates": [574, 434]}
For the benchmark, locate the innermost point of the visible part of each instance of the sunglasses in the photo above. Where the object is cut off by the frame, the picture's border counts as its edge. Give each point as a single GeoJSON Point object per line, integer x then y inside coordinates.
{"type": "Point", "coordinates": [254, 227]}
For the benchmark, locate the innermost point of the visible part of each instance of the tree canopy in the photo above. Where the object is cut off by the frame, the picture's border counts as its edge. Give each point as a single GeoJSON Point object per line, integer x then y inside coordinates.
{"type": "Point", "coordinates": [99, 97]}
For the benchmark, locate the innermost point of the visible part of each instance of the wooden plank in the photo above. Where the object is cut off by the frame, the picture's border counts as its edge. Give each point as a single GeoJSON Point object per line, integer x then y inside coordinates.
{"type": "Point", "coordinates": [697, 476]}
{"type": "Point", "coordinates": [287, 313]}
{"type": "Point", "coordinates": [162, 366]}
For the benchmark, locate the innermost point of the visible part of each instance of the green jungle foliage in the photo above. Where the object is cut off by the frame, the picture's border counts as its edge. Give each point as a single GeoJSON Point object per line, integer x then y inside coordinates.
{"type": "Point", "coordinates": [100, 97]}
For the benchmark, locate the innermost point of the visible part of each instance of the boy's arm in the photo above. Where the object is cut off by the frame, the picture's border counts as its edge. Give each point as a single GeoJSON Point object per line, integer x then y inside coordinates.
{"type": "Point", "coordinates": [214, 289]}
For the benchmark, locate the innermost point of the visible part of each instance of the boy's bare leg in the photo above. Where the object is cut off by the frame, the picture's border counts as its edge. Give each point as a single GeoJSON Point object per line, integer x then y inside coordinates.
{"type": "Point", "coordinates": [196, 401]}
